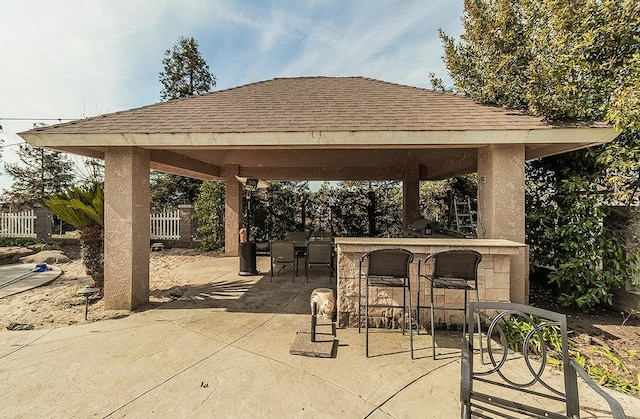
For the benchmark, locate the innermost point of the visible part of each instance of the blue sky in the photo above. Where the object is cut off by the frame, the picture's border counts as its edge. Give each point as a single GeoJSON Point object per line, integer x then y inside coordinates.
{"type": "Point", "coordinates": [79, 58]}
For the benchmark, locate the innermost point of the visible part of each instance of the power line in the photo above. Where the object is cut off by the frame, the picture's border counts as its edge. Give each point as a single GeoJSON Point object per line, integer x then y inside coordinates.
{"type": "Point", "coordinates": [9, 145]}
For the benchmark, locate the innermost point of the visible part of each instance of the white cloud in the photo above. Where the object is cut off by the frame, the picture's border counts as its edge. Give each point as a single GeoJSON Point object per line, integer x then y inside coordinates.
{"type": "Point", "coordinates": [395, 41]}
{"type": "Point", "coordinates": [389, 42]}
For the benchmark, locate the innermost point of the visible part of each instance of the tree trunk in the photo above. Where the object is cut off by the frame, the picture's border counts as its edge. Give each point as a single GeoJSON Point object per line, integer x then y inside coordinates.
{"type": "Point", "coordinates": [92, 253]}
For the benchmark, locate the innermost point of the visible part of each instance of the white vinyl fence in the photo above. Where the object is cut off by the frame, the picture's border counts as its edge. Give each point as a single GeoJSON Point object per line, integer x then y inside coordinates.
{"type": "Point", "coordinates": [166, 225]}
{"type": "Point", "coordinates": [18, 224]}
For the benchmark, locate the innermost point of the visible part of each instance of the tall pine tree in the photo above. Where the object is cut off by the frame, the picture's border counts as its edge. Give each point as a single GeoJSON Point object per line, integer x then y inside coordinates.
{"type": "Point", "coordinates": [39, 173]}
{"type": "Point", "coordinates": [185, 74]}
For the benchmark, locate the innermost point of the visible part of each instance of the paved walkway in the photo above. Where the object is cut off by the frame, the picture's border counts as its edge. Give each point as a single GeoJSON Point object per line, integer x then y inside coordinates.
{"type": "Point", "coordinates": [224, 352]}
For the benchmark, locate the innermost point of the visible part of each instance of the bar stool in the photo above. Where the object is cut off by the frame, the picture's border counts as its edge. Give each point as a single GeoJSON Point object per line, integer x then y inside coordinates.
{"type": "Point", "coordinates": [386, 268]}
{"type": "Point", "coordinates": [453, 270]}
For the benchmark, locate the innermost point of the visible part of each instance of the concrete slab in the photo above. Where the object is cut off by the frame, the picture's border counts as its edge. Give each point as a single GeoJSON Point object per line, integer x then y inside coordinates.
{"type": "Point", "coordinates": [323, 347]}
{"type": "Point", "coordinates": [209, 357]}
{"type": "Point", "coordinates": [18, 278]}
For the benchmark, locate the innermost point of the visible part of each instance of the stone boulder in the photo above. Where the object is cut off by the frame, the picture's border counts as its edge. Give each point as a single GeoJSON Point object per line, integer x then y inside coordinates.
{"type": "Point", "coordinates": [47, 256]}
{"type": "Point", "coordinates": [10, 255]}
{"type": "Point", "coordinates": [40, 247]}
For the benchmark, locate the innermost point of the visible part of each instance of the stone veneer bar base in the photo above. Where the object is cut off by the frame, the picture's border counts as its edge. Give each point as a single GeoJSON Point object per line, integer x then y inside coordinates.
{"type": "Point", "coordinates": [494, 275]}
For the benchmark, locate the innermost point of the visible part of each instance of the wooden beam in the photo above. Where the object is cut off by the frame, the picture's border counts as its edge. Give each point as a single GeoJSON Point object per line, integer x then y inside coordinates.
{"type": "Point", "coordinates": [170, 162]}
{"type": "Point", "coordinates": [324, 173]}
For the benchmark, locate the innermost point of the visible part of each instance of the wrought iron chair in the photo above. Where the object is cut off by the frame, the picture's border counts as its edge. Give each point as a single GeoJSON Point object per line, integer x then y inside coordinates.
{"type": "Point", "coordinates": [283, 253]}
{"type": "Point", "coordinates": [319, 253]}
{"type": "Point", "coordinates": [453, 270]}
{"type": "Point", "coordinates": [516, 380]}
{"type": "Point", "coordinates": [386, 268]}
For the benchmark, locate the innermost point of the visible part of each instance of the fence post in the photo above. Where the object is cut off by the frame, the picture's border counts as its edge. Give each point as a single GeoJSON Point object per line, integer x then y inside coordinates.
{"type": "Point", "coordinates": [44, 226]}
{"type": "Point", "coordinates": [186, 222]}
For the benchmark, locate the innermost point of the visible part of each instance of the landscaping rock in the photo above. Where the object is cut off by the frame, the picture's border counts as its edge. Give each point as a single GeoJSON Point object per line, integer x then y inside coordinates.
{"type": "Point", "coordinates": [40, 247]}
{"type": "Point", "coordinates": [9, 255]}
{"type": "Point", "coordinates": [20, 326]}
{"type": "Point", "coordinates": [47, 256]}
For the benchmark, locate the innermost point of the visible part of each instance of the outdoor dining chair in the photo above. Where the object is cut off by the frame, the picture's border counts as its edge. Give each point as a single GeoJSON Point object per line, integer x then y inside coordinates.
{"type": "Point", "coordinates": [386, 268]}
{"type": "Point", "coordinates": [282, 254]}
{"type": "Point", "coordinates": [319, 253]}
{"type": "Point", "coordinates": [299, 238]}
{"type": "Point", "coordinates": [453, 270]}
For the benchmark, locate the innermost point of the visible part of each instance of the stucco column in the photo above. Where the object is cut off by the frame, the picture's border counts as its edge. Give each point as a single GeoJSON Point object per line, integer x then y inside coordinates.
{"type": "Point", "coordinates": [410, 195]}
{"type": "Point", "coordinates": [232, 209]}
{"type": "Point", "coordinates": [501, 206]}
{"type": "Point", "coordinates": [127, 225]}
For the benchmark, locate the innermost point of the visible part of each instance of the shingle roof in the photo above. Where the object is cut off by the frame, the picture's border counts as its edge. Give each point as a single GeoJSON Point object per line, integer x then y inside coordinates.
{"type": "Point", "coordinates": [305, 104]}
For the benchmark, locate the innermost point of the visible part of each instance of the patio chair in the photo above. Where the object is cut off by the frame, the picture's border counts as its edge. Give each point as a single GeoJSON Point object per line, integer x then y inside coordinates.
{"type": "Point", "coordinates": [319, 253]}
{"type": "Point", "coordinates": [283, 254]}
{"type": "Point", "coordinates": [516, 380]}
{"type": "Point", "coordinates": [453, 270]}
{"type": "Point", "coordinates": [386, 268]}
{"type": "Point", "coordinates": [299, 238]}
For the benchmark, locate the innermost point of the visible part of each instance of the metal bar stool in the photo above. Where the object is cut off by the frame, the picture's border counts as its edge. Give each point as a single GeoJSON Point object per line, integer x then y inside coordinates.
{"type": "Point", "coordinates": [453, 270]}
{"type": "Point", "coordinates": [386, 268]}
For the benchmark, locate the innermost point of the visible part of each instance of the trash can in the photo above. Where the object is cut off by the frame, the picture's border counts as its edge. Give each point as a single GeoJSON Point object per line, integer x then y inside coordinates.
{"type": "Point", "coordinates": [247, 252]}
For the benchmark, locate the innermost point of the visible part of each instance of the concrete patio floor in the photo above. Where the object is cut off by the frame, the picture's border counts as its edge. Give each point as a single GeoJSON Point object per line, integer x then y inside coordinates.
{"type": "Point", "coordinates": [223, 351]}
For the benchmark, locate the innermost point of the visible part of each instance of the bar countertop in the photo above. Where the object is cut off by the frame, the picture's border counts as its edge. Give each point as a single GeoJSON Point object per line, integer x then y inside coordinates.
{"type": "Point", "coordinates": [430, 242]}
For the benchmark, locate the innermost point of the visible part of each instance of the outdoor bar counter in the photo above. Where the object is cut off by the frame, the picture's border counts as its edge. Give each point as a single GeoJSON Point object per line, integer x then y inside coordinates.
{"type": "Point", "coordinates": [493, 275]}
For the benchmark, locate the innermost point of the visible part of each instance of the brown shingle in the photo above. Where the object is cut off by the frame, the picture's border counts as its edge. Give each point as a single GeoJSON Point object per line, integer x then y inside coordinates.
{"type": "Point", "coordinates": [304, 103]}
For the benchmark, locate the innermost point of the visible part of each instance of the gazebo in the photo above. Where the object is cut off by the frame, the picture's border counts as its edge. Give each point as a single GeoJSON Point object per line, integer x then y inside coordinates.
{"type": "Point", "coordinates": [310, 128]}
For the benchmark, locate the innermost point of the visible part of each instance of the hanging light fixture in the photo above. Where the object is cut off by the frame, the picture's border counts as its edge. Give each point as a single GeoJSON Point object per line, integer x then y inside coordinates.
{"type": "Point", "coordinates": [252, 184]}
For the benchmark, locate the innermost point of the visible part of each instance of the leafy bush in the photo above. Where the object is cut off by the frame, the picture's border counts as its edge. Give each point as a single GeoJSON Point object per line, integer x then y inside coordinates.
{"type": "Point", "coordinates": [565, 213]}
{"type": "Point", "coordinates": [209, 209]}
{"type": "Point", "coordinates": [516, 329]}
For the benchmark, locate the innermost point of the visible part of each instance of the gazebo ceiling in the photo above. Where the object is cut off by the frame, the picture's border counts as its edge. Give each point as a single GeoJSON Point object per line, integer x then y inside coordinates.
{"type": "Point", "coordinates": [318, 128]}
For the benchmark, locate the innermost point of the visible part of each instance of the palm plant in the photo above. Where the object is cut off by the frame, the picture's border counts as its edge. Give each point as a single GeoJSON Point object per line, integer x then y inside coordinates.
{"type": "Point", "coordinates": [83, 208]}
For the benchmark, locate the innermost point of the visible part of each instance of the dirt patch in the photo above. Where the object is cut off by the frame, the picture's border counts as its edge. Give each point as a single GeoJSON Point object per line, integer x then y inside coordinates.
{"type": "Point", "coordinates": [608, 339]}
{"type": "Point", "coordinates": [59, 304]}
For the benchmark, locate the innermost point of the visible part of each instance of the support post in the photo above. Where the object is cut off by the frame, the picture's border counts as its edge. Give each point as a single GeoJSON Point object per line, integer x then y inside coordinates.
{"type": "Point", "coordinates": [127, 228]}
{"type": "Point", "coordinates": [410, 195]}
{"type": "Point", "coordinates": [232, 210]}
{"type": "Point", "coordinates": [501, 207]}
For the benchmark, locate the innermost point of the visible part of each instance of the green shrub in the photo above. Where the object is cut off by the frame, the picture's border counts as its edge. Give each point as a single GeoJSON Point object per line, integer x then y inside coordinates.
{"type": "Point", "coordinates": [209, 209]}
{"type": "Point", "coordinates": [22, 241]}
